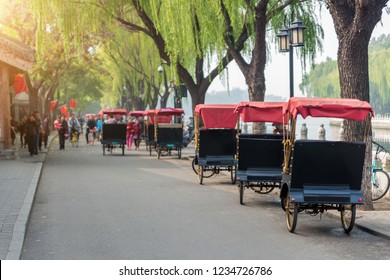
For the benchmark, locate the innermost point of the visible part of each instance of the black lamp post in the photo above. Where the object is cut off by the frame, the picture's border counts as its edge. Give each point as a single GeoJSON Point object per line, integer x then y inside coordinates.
{"type": "Point", "coordinates": [288, 39]}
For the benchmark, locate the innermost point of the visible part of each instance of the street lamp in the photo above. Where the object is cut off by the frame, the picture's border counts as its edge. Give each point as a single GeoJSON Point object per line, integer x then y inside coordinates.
{"type": "Point", "coordinates": [288, 39]}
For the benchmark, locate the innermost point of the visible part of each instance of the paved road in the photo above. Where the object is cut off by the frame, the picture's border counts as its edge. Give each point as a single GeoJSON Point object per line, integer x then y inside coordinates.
{"type": "Point", "coordinates": [90, 206]}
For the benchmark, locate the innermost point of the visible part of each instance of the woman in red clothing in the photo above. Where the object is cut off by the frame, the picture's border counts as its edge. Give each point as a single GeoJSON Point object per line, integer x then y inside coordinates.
{"type": "Point", "coordinates": [137, 134]}
{"type": "Point", "coordinates": [129, 134]}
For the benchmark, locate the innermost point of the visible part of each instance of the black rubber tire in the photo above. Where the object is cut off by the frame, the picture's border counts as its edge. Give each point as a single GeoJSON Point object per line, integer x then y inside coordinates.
{"type": "Point", "coordinates": [233, 174]}
{"type": "Point", "coordinates": [241, 186]}
{"type": "Point", "coordinates": [348, 215]}
{"type": "Point", "coordinates": [291, 214]}
{"type": "Point", "coordinates": [194, 166]}
{"type": "Point", "coordinates": [200, 174]}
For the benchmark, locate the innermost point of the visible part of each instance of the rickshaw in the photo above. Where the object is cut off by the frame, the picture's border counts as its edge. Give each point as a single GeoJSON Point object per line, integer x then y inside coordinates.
{"type": "Point", "coordinates": [113, 135]}
{"type": "Point", "coordinates": [149, 131]}
{"type": "Point", "coordinates": [216, 141]}
{"type": "Point", "coordinates": [320, 175]}
{"type": "Point", "coordinates": [260, 156]}
{"type": "Point", "coordinates": [168, 136]}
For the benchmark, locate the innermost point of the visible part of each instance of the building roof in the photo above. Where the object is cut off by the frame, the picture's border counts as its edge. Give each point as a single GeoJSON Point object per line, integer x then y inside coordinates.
{"type": "Point", "coordinates": [15, 53]}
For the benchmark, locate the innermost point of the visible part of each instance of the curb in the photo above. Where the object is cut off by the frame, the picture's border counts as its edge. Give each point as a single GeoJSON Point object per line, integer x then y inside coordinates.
{"type": "Point", "coordinates": [372, 231]}
{"type": "Point", "coordinates": [17, 241]}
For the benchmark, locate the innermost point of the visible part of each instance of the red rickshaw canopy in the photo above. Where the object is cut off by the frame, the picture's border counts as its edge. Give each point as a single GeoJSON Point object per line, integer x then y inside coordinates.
{"type": "Point", "coordinates": [136, 113]}
{"type": "Point", "coordinates": [344, 108]}
{"type": "Point", "coordinates": [164, 115]}
{"type": "Point", "coordinates": [113, 112]}
{"type": "Point", "coordinates": [170, 111]}
{"type": "Point", "coordinates": [262, 111]}
{"type": "Point", "coordinates": [217, 115]}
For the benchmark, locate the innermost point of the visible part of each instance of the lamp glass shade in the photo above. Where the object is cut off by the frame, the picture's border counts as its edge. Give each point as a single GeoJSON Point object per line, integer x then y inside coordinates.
{"type": "Point", "coordinates": [284, 45]}
{"type": "Point", "coordinates": [297, 34]}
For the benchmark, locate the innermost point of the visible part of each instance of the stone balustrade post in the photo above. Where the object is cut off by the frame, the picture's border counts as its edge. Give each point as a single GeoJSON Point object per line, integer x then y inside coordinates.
{"type": "Point", "coordinates": [341, 132]}
{"type": "Point", "coordinates": [303, 131]}
{"type": "Point", "coordinates": [321, 133]}
{"type": "Point", "coordinates": [245, 128]}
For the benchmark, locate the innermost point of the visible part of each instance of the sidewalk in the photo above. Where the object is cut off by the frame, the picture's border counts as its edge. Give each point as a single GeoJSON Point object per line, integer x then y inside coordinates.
{"type": "Point", "coordinates": [18, 183]}
{"type": "Point", "coordinates": [19, 180]}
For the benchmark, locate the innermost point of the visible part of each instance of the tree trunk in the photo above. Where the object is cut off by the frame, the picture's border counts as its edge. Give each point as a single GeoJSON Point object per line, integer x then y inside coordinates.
{"type": "Point", "coordinates": [5, 104]}
{"type": "Point", "coordinates": [198, 96]}
{"type": "Point", "coordinates": [254, 72]}
{"type": "Point", "coordinates": [354, 22]}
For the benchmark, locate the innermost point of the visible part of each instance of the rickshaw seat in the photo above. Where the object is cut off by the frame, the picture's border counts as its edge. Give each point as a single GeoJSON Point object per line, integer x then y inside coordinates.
{"type": "Point", "coordinates": [260, 136]}
{"type": "Point", "coordinates": [114, 132]}
{"type": "Point", "coordinates": [260, 153]}
{"type": "Point", "coordinates": [150, 132]}
{"type": "Point", "coordinates": [170, 134]}
{"type": "Point", "coordinates": [327, 171]}
{"type": "Point", "coordinates": [260, 174]}
{"type": "Point", "coordinates": [217, 142]}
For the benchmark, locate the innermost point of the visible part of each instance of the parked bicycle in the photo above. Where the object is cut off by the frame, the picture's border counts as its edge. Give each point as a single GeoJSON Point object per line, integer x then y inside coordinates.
{"type": "Point", "coordinates": [380, 181]}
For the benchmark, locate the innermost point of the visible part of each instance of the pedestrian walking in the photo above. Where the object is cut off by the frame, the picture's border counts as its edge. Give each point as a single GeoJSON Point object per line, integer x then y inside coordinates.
{"type": "Point", "coordinates": [91, 127]}
{"type": "Point", "coordinates": [137, 134]}
{"type": "Point", "coordinates": [62, 132]}
{"type": "Point", "coordinates": [129, 134]}
{"type": "Point", "coordinates": [99, 124]}
{"type": "Point", "coordinates": [45, 131]}
{"type": "Point", "coordinates": [31, 134]}
{"type": "Point", "coordinates": [37, 117]}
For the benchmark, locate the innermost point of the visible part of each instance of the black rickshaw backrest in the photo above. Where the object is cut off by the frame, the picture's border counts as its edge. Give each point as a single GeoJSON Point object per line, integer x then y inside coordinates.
{"type": "Point", "coordinates": [150, 132]}
{"type": "Point", "coordinates": [322, 163]}
{"type": "Point", "coordinates": [260, 151]}
{"type": "Point", "coordinates": [217, 142]}
{"type": "Point", "coordinates": [114, 131]}
{"type": "Point", "coordinates": [261, 136]}
{"type": "Point", "coordinates": [170, 133]}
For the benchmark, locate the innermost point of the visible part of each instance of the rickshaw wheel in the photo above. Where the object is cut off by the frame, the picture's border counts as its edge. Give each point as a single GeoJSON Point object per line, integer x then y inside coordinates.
{"type": "Point", "coordinates": [233, 174]}
{"type": "Point", "coordinates": [348, 214]}
{"type": "Point", "coordinates": [291, 214]}
{"type": "Point", "coordinates": [194, 168]}
{"type": "Point", "coordinates": [241, 186]}
{"type": "Point", "coordinates": [200, 174]}
{"type": "Point", "coordinates": [283, 203]}
{"type": "Point", "coordinates": [179, 152]}
{"type": "Point", "coordinates": [104, 150]}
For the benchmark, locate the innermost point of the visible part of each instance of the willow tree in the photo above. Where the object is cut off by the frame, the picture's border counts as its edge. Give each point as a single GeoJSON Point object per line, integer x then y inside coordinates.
{"type": "Point", "coordinates": [133, 67]}
{"type": "Point", "coordinates": [197, 40]}
{"type": "Point", "coordinates": [189, 55]}
{"type": "Point", "coordinates": [354, 22]}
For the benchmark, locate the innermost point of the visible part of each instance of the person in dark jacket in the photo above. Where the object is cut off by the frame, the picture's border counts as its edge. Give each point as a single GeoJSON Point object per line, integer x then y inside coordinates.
{"type": "Point", "coordinates": [62, 132]}
{"type": "Point", "coordinates": [31, 130]}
